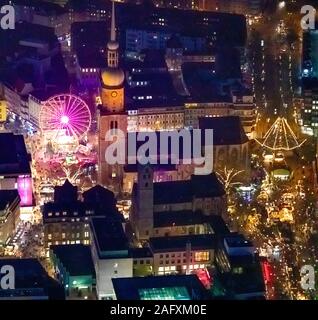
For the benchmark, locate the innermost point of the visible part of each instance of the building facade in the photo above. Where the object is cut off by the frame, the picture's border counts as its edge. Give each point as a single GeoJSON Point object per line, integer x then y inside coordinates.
{"type": "Point", "coordinates": [9, 214]}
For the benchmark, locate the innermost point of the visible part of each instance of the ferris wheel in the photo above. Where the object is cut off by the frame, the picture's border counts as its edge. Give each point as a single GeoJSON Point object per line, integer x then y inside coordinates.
{"type": "Point", "coordinates": [66, 115]}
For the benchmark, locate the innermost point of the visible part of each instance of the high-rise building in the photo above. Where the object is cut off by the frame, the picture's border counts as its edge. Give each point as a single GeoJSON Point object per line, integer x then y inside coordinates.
{"type": "Point", "coordinates": [309, 94]}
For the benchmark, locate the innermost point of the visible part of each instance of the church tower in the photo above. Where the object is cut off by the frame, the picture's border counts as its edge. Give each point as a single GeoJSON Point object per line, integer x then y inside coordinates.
{"type": "Point", "coordinates": [112, 115]}
{"type": "Point", "coordinates": [143, 202]}
{"type": "Point", "coordinates": [112, 78]}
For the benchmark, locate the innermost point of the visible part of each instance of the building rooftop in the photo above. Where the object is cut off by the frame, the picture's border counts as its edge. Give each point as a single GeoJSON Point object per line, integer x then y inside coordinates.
{"type": "Point", "coordinates": [226, 130]}
{"type": "Point", "coordinates": [66, 193]}
{"type": "Point", "coordinates": [218, 225]}
{"type": "Point", "coordinates": [41, 7]}
{"type": "Point", "coordinates": [179, 243]}
{"type": "Point", "coordinates": [157, 167]}
{"type": "Point", "coordinates": [7, 197]}
{"type": "Point", "coordinates": [198, 23]}
{"type": "Point", "coordinates": [102, 200]}
{"type": "Point", "coordinates": [140, 253]}
{"type": "Point", "coordinates": [91, 60]}
{"type": "Point", "coordinates": [76, 259]}
{"type": "Point", "coordinates": [109, 236]}
{"type": "Point", "coordinates": [14, 159]}
{"type": "Point", "coordinates": [237, 240]}
{"type": "Point", "coordinates": [170, 287]}
{"type": "Point", "coordinates": [98, 201]}
{"type": "Point", "coordinates": [200, 186]}
{"type": "Point", "coordinates": [43, 95]}
{"type": "Point", "coordinates": [177, 218]}
{"type": "Point", "coordinates": [32, 280]}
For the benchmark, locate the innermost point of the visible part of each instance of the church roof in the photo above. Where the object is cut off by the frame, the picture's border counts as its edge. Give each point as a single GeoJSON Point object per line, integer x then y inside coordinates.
{"type": "Point", "coordinates": [200, 186]}
{"type": "Point", "coordinates": [226, 130]}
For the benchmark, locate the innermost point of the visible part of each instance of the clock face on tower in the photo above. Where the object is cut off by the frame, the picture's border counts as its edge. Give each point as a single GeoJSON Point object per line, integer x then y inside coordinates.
{"type": "Point", "coordinates": [114, 94]}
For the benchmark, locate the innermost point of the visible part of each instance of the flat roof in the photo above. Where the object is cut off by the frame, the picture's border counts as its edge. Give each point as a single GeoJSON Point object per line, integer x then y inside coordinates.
{"type": "Point", "coordinates": [7, 197]}
{"type": "Point", "coordinates": [237, 240]}
{"type": "Point", "coordinates": [29, 273]}
{"type": "Point", "coordinates": [109, 235]}
{"type": "Point", "coordinates": [76, 259]}
{"type": "Point", "coordinates": [14, 158]}
{"type": "Point", "coordinates": [179, 287]}
{"type": "Point", "coordinates": [179, 243]}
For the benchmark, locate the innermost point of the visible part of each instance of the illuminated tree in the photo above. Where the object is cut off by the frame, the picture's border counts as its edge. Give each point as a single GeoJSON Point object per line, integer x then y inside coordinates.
{"type": "Point", "coordinates": [226, 176]}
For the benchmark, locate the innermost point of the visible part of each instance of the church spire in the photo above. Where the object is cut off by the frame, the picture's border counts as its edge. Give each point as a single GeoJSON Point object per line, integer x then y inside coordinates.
{"type": "Point", "coordinates": [113, 24]}
{"type": "Point", "coordinates": [112, 46]}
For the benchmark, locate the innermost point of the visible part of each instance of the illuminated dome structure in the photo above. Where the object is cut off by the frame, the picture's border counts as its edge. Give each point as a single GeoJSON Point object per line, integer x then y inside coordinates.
{"type": "Point", "coordinates": [64, 120]}
{"type": "Point", "coordinates": [112, 77]}
{"type": "Point", "coordinates": [280, 137]}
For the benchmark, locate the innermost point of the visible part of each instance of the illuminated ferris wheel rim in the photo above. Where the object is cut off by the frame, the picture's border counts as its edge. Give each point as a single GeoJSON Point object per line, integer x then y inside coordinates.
{"type": "Point", "coordinates": [65, 114]}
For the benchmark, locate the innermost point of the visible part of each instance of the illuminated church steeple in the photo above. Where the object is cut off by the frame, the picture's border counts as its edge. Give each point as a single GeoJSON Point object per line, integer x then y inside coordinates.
{"type": "Point", "coordinates": [112, 78]}
{"type": "Point", "coordinates": [112, 46]}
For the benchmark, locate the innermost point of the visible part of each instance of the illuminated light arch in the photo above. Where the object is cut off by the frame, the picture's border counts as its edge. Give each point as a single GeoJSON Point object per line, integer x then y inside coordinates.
{"type": "Point", "coordinates": [280, 137]}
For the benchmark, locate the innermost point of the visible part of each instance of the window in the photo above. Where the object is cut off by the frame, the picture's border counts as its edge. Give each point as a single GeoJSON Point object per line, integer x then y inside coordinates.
{"type": "Point", "coordinates": [63, 235]}
{"type": "Point", "coordinates": [86, 234]}
{"type": "Point", "coordinates": [238, 270]}
{"type": "Point", "coordinates": [135, 262]}
{"type": "Point", "coordinates": [141, 261]}
{"type": "Point", "coordinates": [147, 261]}
{"type": "Point", "coordinates": [49, 236]}
{"type": "Point", "coordinates": [202, 256]}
